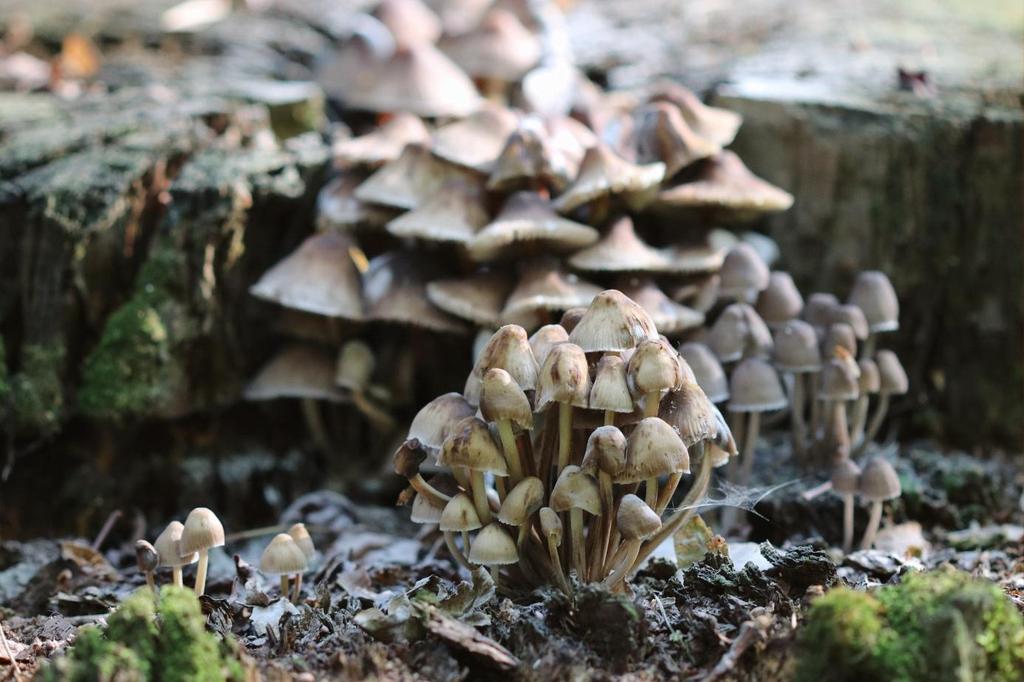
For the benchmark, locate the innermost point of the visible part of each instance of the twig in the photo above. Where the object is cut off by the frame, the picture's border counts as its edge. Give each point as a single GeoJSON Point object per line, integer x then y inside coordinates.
{"type": "Point", "coordinates": [105, 530]}
{"type": "Point", "coordinates": [7, 652]}
{"type": "Point", "coordinates": [749, 633]}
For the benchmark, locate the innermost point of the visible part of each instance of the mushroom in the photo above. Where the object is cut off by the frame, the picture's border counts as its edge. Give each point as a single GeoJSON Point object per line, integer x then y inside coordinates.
{"type": "Point", "coordinates": [621, 250]}
{"type": "Point", "coordinates": [499, 51]}
{"type": "Point", "coordinates": [571, 318]}
{"type": "Point", "coordinates": [796, 353]}
{"type": "Point", "coordinates": [407, 460]}
{"type": "Point", "coordinates": [527, 221]}
{"type": "Point", "coordinates": [873, 293]}
{"type": "Point", "coordinates": [283, 557]}
{"type": "Point", "coordinates": [668, 316]}
{"type": "Point", "coordinates": [303, 539]}
{"type": "Point", "coordinates": [546, 338]}
{"type": "Point", "coordinates": [353, 372]}
{"type": "Point", "coordinates": [454, 214]}
{"type": "Point", "coordinates": [661, 134]}
{"type": "Point", "coordinates": [739, 332]}
{"type": "Point", "coordinates": [610, 389]}
{"type": "Point", "coordinates": [509, 349]}
{"type": "Point", "coordinates": [612, 323]}
{"type": "Point", "coordinates": [395, 291]}
{"type": "Point", "coordinates": [839, 335]}
{"type": "Point", "coordinates": [724, 184]}
{"type": "Point", "coordinates": [410, 180]}
{"type": "Point", "coordinates": [503, 402]}
{"type": "Point", "coordinates": [147, 559]}
{"type": "Point", "coordinates": [530, 160]}
{"type": "Point", "coordinates": [382, 144]}
{"type": "Point", "coordinates": [846, 483]}
{"type": "Point", "coordinates": [818, 310]}
{"type": "Point", "coordinates": [434, 421]}
{"type": "Point", "coordinates": [837, 386]}
{"type": "Point", "coordinates": [653, 449]}
{"type": "Point", "coordinates": [493, 548]}
{"type": "Point", "coordinates": [892, 380]}
{"type": "Point", "coordinates": [545, 288]}
{"type": "Point", "coordinates": [744, 275]}
{"type": "Point", "coordinates": [478, 298]}
{"type": "Point", "coordinates": [411, 22]}
{"type": "Point", "coordinates": [878, 483]}
{"type": "Point", "coordinates": [780, 301]}
{"type": "Point", "coordinates": [604, 174]}
{"type": "Point", "coordinates": [654, 369]}
{"type": "Point", "coordinates": [459, 516]}
{"type": "Point", "coordinates": [604, 459]}
{"type": "Point", "coordinates": [707, 370]}
{"type": "Point", "coordinates": [521, 503]}
{"type": "Point", "coordinates": [202, 532]}
{"type": "Point", "coordinates": [470, 446]}
{"type": "Point", "coordinates": [576, 492]}
{"type": "Point", "coordinates": [717, 125]}
{"type": "Point", "coordinates": [168, 547]}
{"type": "Point", "coordinates": [477, 140]}
{"type": "Point", "coordinates": [870, 383]}
{"type": "Point", "coordinates": [564, 379]}
{"type": "Point", "coordinates": [636, 522]}
{"type": "Point", "coordinates": [755, 389]}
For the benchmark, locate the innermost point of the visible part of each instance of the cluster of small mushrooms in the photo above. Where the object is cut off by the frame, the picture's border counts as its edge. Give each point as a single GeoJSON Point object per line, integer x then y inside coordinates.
{"type": "Point", "coordinates": [180, 545]}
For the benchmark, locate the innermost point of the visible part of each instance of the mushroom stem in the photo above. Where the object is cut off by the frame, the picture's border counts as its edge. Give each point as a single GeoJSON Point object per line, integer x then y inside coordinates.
{"type": "Point", "coordinates": [564, 436]}
{"type": "Point", "coordinates": [847, 523]}
{"type": "Point", "coordinates": [796, 410]}
{"type": "Point", "coordinates": [874, 520]}
{"type": "Point", "coordinates": [427, 490]}
{"type": "Point", "coordinates": [508, 444]}
{"type": "Point", "coordinates": [623, 561]}
{"type": "Point", "coordinates": [298, 589]}
{"type": "Point", "coordinates": [204, 558]}
{"type": "Point", "coordinates": [379, 418]}
{"type": "Point", "coordinates": [483, 507]}
{"type": "Point", "coordinates": [151, 581]}
{"type": "Point", "coordinates": [579, 549]}
{"type": "Point", "coordinates": [465, 542]}
{"type": "Point", "coordinates": [875, 425]}
{"type": "Point", "coordinates": [284, 586]}
{"type": "Point", "coordinates": [495, 575]}
{"type": "Point", "coordinates": [673, 481]}
{"type": "Point", "coordinates": [315, 424]}
{"type": "Point", "coordinates": [176, 576]}
{"type": "Point", "coordinates": [859, 420]}
{"type": "Point", "coordinates": [460, 558]}
{"type": "Point", "coordinates": [812, 379]}
{"type": "Point", "coordinates": [651, 492]}
{"type": "Point", "coordinates": [651, 402]}
{"type": "Point", "coordinates": [607, 519]}
{"type": "Point", "coordinates": [749, 446]}
{"type": "Point", "coordinates": [556, 564]}
{"type": "Point", "coordinates": [609, 418]}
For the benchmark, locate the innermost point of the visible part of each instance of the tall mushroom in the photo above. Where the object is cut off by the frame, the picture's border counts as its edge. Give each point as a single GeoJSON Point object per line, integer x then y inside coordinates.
{"type": "Point", "coordinates": [605, 459]}
{"type": "Point", "coordinates": [521, 503]}
{"type": "Point", "coordinates": [610, 390]}
{"type": "Point", "coordinates": [564, 379]}
{"type": "Point", "coordinates": [846, 483]}
{"type": "Point", "coordinates": [878, 483]}
{"type": "Point", "coordinates": [551, 530]}
{"type": "Point", "coordinates": [168, 546]}
{"type": "Point", "coordinates": [755, 389]}
{"type": "Point", "coordinates": [576, 492]}
{"type": "Point", "coordinates": [636, 522]}
{"type": "Point", "coordinates": [202, 532]}
{"type": "Point", "coordinates": [503, 402]}
{"type": "Point", "coordinates": [471, 447]}
{"type": "Point", "coordinates": [874, 294]}
{"type": "Point", "coordinates": [654, 369]}
{"type": "Point", "coordinates": [892, 380]}
{"type": "Point", "coordinates": [283, 557]}
{"type": "Point", "coordinates": [796, 354]}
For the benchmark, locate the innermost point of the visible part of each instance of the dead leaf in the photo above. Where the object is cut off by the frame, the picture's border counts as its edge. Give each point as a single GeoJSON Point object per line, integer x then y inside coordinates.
{"type": "Point", "coordinates": [468, 639]}
{"type": "Point", "coordinates": [90, 561]}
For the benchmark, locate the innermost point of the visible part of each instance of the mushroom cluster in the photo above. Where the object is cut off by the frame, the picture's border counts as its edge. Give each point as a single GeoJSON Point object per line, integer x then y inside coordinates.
{"type": "Point", "coordinates": [564, 451]}
{"type": "Point", "coordinates": [464, 199]}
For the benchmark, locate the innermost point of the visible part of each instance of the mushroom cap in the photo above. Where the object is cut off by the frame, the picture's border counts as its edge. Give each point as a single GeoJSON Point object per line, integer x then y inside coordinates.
{"type": "Point", "coordinates": [571, 317]}
{"type": "Point", "coordinates": [168, 546]}
{"type": "Point", "coordinates": [434, 421]}
{"type": "Point", "coordinates": [612, 323]}
{"type": "Point", "coordinates": [873, 293]}
{"type": "Point", "coordinates": [502, 398]}
{"type": "Point", "coordinates": [146, 556]}
{"type": "Point", "coordinates": [454, 214]}
{"type": "Point", "coordinates": [298, 371]}
{"type": "Point", "coordinates": [411, 22]}
{"type": "Point", "coordinates": [395, 289]}
{"type": "Point", "coordinates": [477, 140]}
{"type": "Point", "coordinates": [743, 273]}
{"type": "Point", "coordinates": [382, 144]}
{"type": "Point", "coordinates": [303, 539]}
{"type": "Point", "coordinates": [653, 449]}
{"type": "Point", "coordinates": [459, 515]}
{"type": "Point", "coordinates": [818, 309]}
{"type": "Point", "coordinates": [509, 349]}
{"type": "Point", "coordinates": [493, 546]}
{"type": "Point", "coordinates": [478, 298]}
{"type": "Point", "coordinates": [662, 134]}
{"type": "Point", "coordinates": [471, 445]}
{"type": "Point", "coordinates": [870, 378]}
{"type": "Point", "coordinates": [668, 316]}
{"type": "Point", "coordinates": [425, 510]}
{"type": "Point", "coordinates": [796, 348]}
{"type": "Point", "coordinates": [739, 331]}
{"type": "Point", "coordinates": [410, 180]}
{"type": "Point", "coordinates": [355, 366]}
{"type": "Point", "coordinates": [408, 457]}
{"type": "Point", "coordinates": [610, 390]}
{"type": "Point", "coordinates": [621, 250]}
{"type": "Point", "coordinates": [318, 277]}
{"type": "Point", "coordinates": [655, 366]}
{"type": "Point", "coordinates": [846, 477]}
{"type": "Point", "coordinates": [892, 377]}
{"type": "Point", "coordinates": [603, 172]}
{"type": "Point", "coordinates": [879, 481]}
{"type": "Point", "coordinates": [713, 123]}
{"type": "Point", "coordinates": [839, 335]}
{"type": "Point", "coordinates": [546, 338]}
{"type": "Point", "coordinates": [853, 316]}
{"type": "Point", "coordinates": [707, 370]}
{"type": "Point", "coordinates": [283, 556]}
{"type": "Point", "coordinates": [564, 378]}
{"type": "Point", "coordinates": [338, 210]}
{"type": "Point", "coordinates": [202, 531]}
{"type": "Point", "coordinates": [755, 387]}
{"type": "Point", "coordinates": [838, 381]}
{"type": "Point", "coordinates": [689, 411]}
{"type": "Point", "coordinates": [527, 217]}
{"type": "Point", "coordinates": [351, 66]}
{"type": "Point", "coordinates": [522, 501]}
{"type": "Point", "coordinates": [550, 525]}
{"type": "Point", "coordinates": [780, 301]}
{"type": "Point", "coordinates": [606, 452]}
{"type": "Point", "coordinates": [418, 79]}
{"type": "Point", "coordinates": [529, 157]}
{"type": "Point", "coordinates": [499, 48]}
{"type": "Point", "coordinates": [635, 520]}
{"type": "Point", "coordinates": [543, 286]}
{"type": "Point", "coordinates": [724, 182]}
{"type": "Point", "coordinates": [575, 489]}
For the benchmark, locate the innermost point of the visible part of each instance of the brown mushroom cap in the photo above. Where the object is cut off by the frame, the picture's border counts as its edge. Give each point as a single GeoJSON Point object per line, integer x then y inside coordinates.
{"type": "Point", "coordinates": [603, 172]}
{"type": "Point", "coordinates": [879, 481]}
{"type": "Point", "coordinates": [425, 510]}
{"type": "Point", "coordinates": [870, 378]}
{"type": "Point", "coordinates": [500, 48]}
{"type": "Point", "coordinates": [854, 317]}
{"type": "Point", "coordinates": [612, 322]}
{"type": "Point", "coordinates": [298, 371]}
{"type": "Point", "coordinates": [621, 250]}
{"type": "Point", "coordinates": [478, 298]}
{"type": "Point", "coordinates": [873, 293]}
{"type": "Point", "coordinates": [635, 520]}
{"type": "Point", "coordinates": [707, 370]}
{"type": "Point", "coordinates": [743, 274]}
{"type": "Point", "coordinates": [168, 546]}
{"type": "Point", "coordinates": [202, 531]}
{"type": "Point", "coordinates": [459, 515]}
{"type": "Point", "coordinates": [410, 180]}
{"type": "Point", "coordinates": [434, 421]}
{"type": "Point", "coordinates": [546, 338]}
{"type": "Point", "coordinates": [302, 538]}
{"type": "Point", "coordinates": [382, 144]}
{"type": "Point", "coordinates": [892, 377]}
{"type": "Point", "coordinates": [662, 134]}
{"type": "Point", "coordinates": [522, 501]}
{"type": "Point", "coordinates": [724, 182]}
{"type": "Point", "coordinates": [470, 445]}
{"type": "Point", "coordinates": [818, 309]}
{"type": "Point", "coordinates": [655, 366]}
{"type": "Point", "coordinates": [846, 477]}
{"type": "Point", "coordinates": [838, 381]}
{"type": "Point", "coordinates": [564, 378]}
{"type": "Point", "coordinates": [418, 79]}
{"type": "Point", "coordinates": [839, 335]}
{"type": "Point", "coordinates": [689, 411]}
{"type": "Point", "coordinates": [477, 140]}
{"type": "Point", "coordinates": [755, 387]}
{"type": "Point", "coordinates": [395, 290]}
{"type": "Point", "coordinates": [509, 349]}
{"type": "Point", "coordinates": [528, 218]}
{"type": "Point", "coordinates": [780, 301]}
{"type": "Point", "coordinates": [668, 316]}
{"type": "Point", "coordinates": [529, 158]}
{"type": "Point", "coordinates": [739, 331]}
{"type": "Point", "coordinates": [493, 547]}
{"type": "Point", "coordinates": [544, 287]}
{"type": "Point", "coordinates": [571, 317]}
{"type": "Point", "coordinates": [502, 398]}
{"type": "Point", "coordinates": [411, 22]}
{"type": "Point", "coordinates": [283, 556]}
{"type": "Point", "coordinates": [146, 556]}
{"type": "Point", "coordinates": [318, 277]}
{"type": "Point", "coordinates": [575, 489]}
{"type": "Point", "coordinates": [796, 348]}
{"type": "Point", "coordinates": [454, 214]}
{"type": "Point", "coordinates": [550, 525]}
{"type": "Point", "coordinates": [713, 123]}
{"type": "Point", "coordinates": [610, 390]}
{"type": "Point", "coordinates": [606, 452]}
{"type": "Point", "coordinates": [653, 449]}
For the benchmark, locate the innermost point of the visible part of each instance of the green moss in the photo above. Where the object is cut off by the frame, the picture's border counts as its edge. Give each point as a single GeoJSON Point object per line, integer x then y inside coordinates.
{"type": "Point", "coordinates": [145, 641]}
{"type": "Point", "coordinates": [132, 370]}
{"type": "Point", "coordinates": [935, 626]}
{"type": "Point", "coordinates": [37, 399]}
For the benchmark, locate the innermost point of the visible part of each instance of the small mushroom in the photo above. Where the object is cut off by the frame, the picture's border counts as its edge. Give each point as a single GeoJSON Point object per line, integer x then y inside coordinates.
{"type": "Point", "coordinates": [503, 402]}
{"type": "Point", "coordinates": [621, 250]}
{"type": "Point", "coordinates": [603, 173]}
{"type": "Point", "coordinates": [434, 421]}
{"type": "Point", "coordinates": [470, 446]}
{"type": "Point", "coordinates": [870, 383]}
{"type": "Point", "coordinates": [796, 353]}
{"type": "Point", "coordinates": [168, 547]}
{"type": "Point", "coordinates": [873, 293]}
{"type": "Point", "coordinates": [147, 559]}
{"type": "Point", "coordinates": [653, 449]}
{"type": "Point", "coordinates": [202, 532]}
{"type": "Point", "coordinates": [383, 144]}
{"type": "Point", "coordinates": [499, 51]}
{"type": "Point", "coordinates": [283, 557]}
{"type": "Point", "coordinates": [546, 338]}
{"type": "Point", "coordinates": [654, 369]}
{"type": "Point", "coordinates": [744, 275]}
{"type": "Point", "coordinates": [846, 483]}
{"type": "Point", "coordinates": [604, 459]}
{"type": "Point", "coordinates": [755, 389]}
{"type": "Point", "coordinates": [878, 483]}
{"type": "Point", "coordinates": [610, 390]}
{"type": "Point", "coordinates": [707, 370]}
{"type": "Point", "coordinates": [303, 539]}
{"type": "Point", "coordinates": [454, 214]}
{"type": "Point", "coordinates": [544, 288]}
{"type": "Point", "coordinates": [636, 522]}
{"type": "Point", "coordinates": [411, 22]}
{"type": "Point", "coordinates": [662, 134]}
{"type": "Point", "coordinates": [613, 323]}
{"type": "Point", "coordinates": [407, 460]}
{"type": "Point", "coordinates": [564, 379]}
{"type": "Point", "coordinates": [551, 530]}
{"type": "Point", "coordinates": [892, 380]}
{"type": "Point", "coordinates": [780, 301]}
{"type": "Point", "coordinates": [669, 317]}
{"type": "Point", "coordinates": [477, 140]}
{"type": "Point", "coordinates": [528, 222]}
{"type": "Point", "coordinates": [493, 548]}
{"type": "Point", "coordinates": [522, 502]}
{"type": "Point", "coordinates": [576, 492]}
{"type": "Point", "coordinates": [509, 349]}
{"type": "Point", "coordinates": [478, 298]}
{"type": "Point", "coordinates": [459, 516]}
